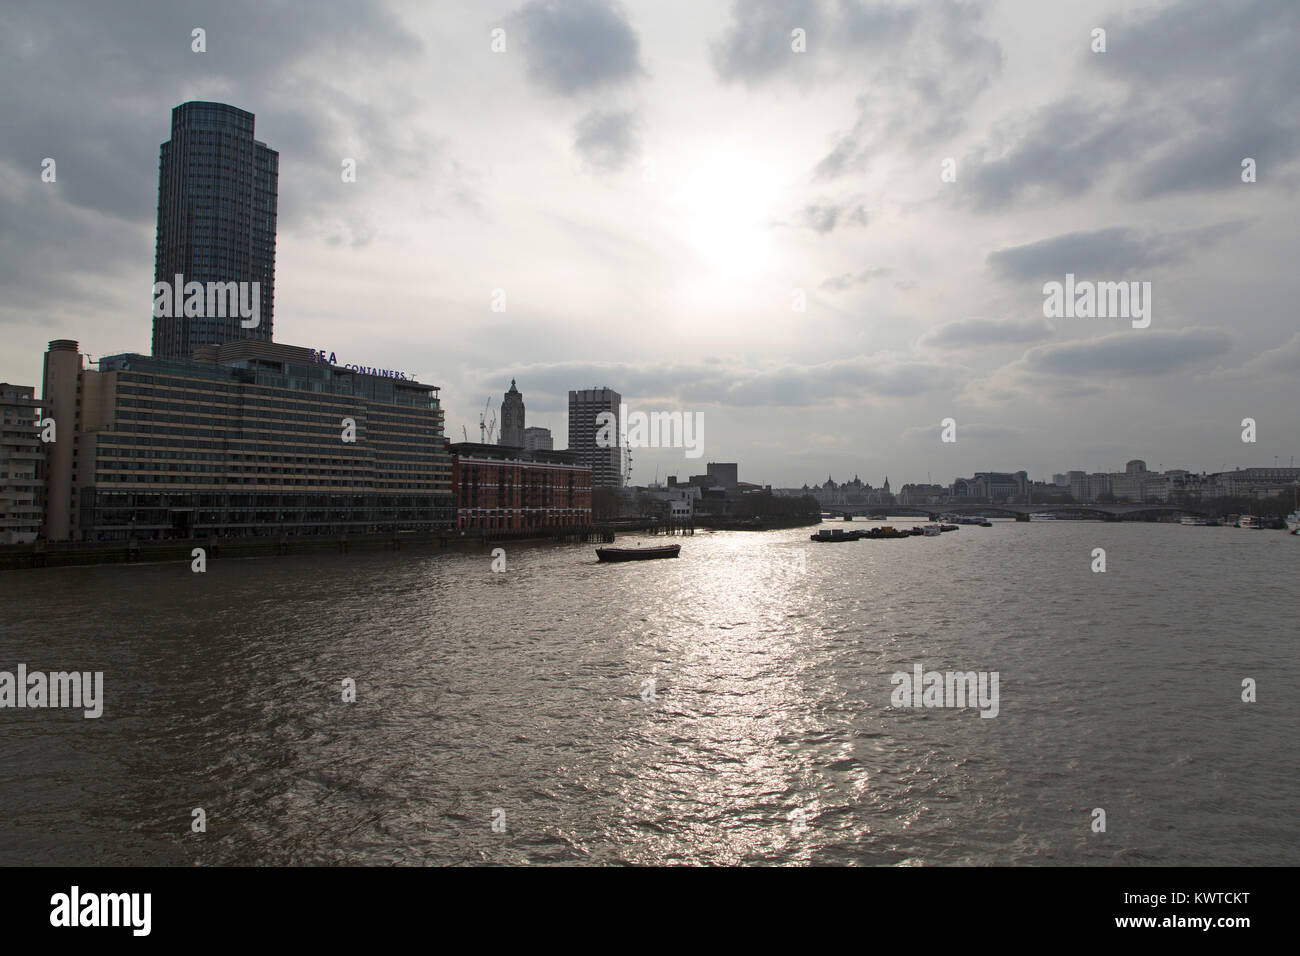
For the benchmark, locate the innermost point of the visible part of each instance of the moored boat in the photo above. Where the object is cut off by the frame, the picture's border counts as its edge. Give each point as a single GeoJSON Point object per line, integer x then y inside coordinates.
{"type": "Point", "coordinates": [886, 531]}
{"type": "Point", "coordinates": [1042, 516]}
{"type": "Point", "coordinates": [966, 519]}
{"type": "Point", "coordinates": [638, 554]}
{"type": "Point", "coordinates": [836, 534]}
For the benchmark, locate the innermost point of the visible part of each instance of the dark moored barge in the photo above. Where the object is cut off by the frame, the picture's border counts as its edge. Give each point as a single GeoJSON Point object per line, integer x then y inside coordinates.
{"type": "Point", "coordinates": [638, 554]}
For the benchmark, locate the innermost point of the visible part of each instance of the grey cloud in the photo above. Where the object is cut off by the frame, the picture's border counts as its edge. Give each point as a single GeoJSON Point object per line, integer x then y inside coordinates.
{"type": "Point", "coordinates": [1062, 151]}
{"type": "Point", "coordinates": [55, 255]}
{"type": "Point", "coordinates": [1105, 253]}
{"type": "Point", "coordinates": [607, 141]}
{"type": "Point", "coordinates": [1283, 360]}
{"type": "Point", "coordinates": [966, 430]}
{"type": "Point", "coordinates": [1201, 86]}
{"type": "Point", "coordinates": [934, 63]}
{"type": "Point", "coordinates": [711, 382]}
{"type": "Point", "coordinates": [578, 45]}
{"type": "Point", "coordinates": [1070, 391]}
{"type": "Point", "coordinates": [94, 86]}
{"type": "Point", "coordinates": [971, 333]}
{"type": "Point", "coordinates": [991, 430]}
{"type": "Point", "coordinates": [921, 66]}
{"type": "Point", "coordinates": [1203, 161]}
{"type": "Point", "coordinates": [847, 380]}
{"type": "Point", "coordinates": [823, 217]}
{"type": "Point", "coordinates": [849, 279]}
{"type": "Point", "coordinates": [1145, 352]}
{"type": "Point", "coordinates": [758, 44]}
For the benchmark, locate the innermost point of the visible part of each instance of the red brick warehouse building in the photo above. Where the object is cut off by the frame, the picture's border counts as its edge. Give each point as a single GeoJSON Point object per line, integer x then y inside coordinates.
{"type": "Point", "coordinates": [502, 488]}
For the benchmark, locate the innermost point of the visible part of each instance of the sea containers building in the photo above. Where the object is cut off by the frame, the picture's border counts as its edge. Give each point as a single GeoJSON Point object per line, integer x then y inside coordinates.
{"type": "Point", "coordinates": [245, 438]}
{"type": "Point", "coordinates": [500, 488]}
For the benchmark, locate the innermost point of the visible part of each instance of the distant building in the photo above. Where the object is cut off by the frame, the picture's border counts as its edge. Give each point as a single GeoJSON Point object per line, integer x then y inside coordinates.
{"type": "Point", "coordinates": [992, 486]}
{"type": "Point", "coordinates": [726, 473]}
{"type": "Point", "coordinates": [1061, 481]}
{"type": "Point", "coordinates": [1044, 491]}
{"type": "Point", "coordinates": [1137, 484]}
{"type": "Point", "coordinates": [921, 494]}
{"type": "Point", "coordinates": [538, 439]}
{"type": "Point", "coordinates": [851, 493]}
{"type": "Point", "coordinates": [512, 418]}
{"type": "Point", "coordinates": [1080, 487]}
{"type": "Point", "coordinates": [500, 488]}
{"type": "Point", "coordinates": [217, 189]}
{"type": "Point", "coordinates": [1253, 482]}
{"type": "Point", "coordinates": [677, 501]}
{"type": "Point", "coordinates": [605, 459]}
{"type": "Point", "coordinates": [679, 510]}
{"type": "Point", "coordinates": [20, 465]}
{"type": "Point", "coordinates": [1100, 483]}
{"type": "Point", "coordinates": [1183, 482]}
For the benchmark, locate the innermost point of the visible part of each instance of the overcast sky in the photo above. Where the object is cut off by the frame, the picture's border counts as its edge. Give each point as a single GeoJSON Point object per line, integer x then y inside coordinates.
{"type": "Point", "coordinates": [653, 183]}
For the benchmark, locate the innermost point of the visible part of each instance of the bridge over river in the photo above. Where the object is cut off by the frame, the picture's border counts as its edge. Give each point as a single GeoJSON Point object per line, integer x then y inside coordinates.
{"type": "Point", "coordinates": [1110, 512]}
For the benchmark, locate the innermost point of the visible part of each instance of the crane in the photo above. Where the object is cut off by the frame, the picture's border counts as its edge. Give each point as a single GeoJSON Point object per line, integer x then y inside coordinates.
{"type": "Point", "coordinates": [487, 423]}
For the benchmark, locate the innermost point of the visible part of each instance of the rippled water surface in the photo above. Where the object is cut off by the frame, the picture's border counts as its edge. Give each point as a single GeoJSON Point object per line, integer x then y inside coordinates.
{"type": "Point", "coordinates": [769, 735]}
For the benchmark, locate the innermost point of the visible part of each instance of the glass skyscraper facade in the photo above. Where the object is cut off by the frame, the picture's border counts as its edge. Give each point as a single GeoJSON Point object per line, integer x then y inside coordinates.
{"type": "Point", "coordinates": [217, 189]}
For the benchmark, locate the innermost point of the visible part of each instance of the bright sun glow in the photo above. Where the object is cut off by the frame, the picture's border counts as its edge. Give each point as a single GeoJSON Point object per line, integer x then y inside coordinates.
{"type": "Point", "coordinates": [717, 205]}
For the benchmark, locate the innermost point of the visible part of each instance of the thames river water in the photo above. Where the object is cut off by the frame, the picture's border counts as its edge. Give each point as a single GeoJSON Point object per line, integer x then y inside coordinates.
{"type": "Point", "coordinates": [730, 706]}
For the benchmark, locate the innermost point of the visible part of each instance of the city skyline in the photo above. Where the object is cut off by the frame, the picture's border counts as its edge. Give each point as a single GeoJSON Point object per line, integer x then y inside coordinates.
{"type": "Point", "coordinates": [1050, 480]}
{"type": "Point", "coordinates": [640, 433]}
{"type": "Point", "coordinates": [698, 230]}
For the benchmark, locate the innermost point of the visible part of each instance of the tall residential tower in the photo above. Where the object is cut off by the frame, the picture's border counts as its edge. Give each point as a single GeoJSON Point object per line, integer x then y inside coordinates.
{"type": "Point", "coordinates": [605, 459]}
{"type": "Point", "coordinates": [216, 224]}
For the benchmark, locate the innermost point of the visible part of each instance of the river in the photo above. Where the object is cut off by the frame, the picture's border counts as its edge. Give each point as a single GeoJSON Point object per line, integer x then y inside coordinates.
{"type": "Point", "coordinates": [730, 706]}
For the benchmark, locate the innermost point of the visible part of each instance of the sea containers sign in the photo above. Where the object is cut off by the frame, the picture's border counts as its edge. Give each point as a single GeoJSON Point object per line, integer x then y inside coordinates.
{"type": "Point", "coordinates": [320, 355]}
